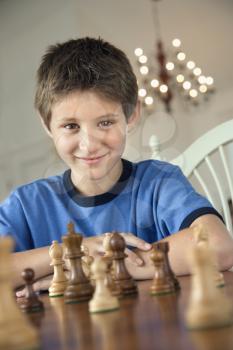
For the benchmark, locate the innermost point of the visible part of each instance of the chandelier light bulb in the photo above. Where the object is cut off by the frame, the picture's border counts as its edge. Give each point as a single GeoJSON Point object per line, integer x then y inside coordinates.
{"type": "Point", "coordinates": [144, 70]}
{"type": "Point", "coordinates": [142, 59]}
{"type": "Point", "coordinates": [163, 88]}
{"type": "Point", "coordinates": [149, 100]}
{"type": "Point", "coordinates": [197, 71]}
{"type": "Point", "coordinates": [176, 42]}
{"type": "Point", "coordinates": [201, 79]}
{"type": "Point", "coordinates": [138, 52]}
{"type": "Point", "coordinates": [186, 85]}
{"type": "Point", "coordinates": [181, 56]}
{"type": "Point", "coordinates": [193, 93]}
{"type": "Point", "coordinates": [170, 66]}
{"type": "Point", "coordinates": [209, 80]}
{"type": "Point", "coordinates": [203, 88]}
{"type": "Point", "coordinates": [142, 92]}
{"type": "Point", "coordinates": [180, 78]}
{"type": "Point", "coordinates": [154, 83]}
{"type": "Point", "coordinates": [190, 64]}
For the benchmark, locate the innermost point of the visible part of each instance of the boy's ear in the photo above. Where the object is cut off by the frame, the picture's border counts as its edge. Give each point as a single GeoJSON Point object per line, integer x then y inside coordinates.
{"type": "Point", "coordinates": [135, 116]}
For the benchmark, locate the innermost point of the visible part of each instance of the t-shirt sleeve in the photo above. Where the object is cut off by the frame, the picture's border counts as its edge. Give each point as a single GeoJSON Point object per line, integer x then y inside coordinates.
{"type": "Point", "coordinates": [179, 204]}
{"type": "Point", "coordinates": [13, 223]}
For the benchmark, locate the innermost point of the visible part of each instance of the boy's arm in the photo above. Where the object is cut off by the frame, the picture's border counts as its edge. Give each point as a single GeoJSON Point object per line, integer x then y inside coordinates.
{"type": "Point", "coordinates": [180, 244]}
{"type": "Point", "coordinates": [38, 259]}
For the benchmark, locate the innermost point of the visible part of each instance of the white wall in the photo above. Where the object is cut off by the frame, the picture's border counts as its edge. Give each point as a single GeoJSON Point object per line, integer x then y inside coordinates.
{"type": "Point", "coordinates": [27, 27]}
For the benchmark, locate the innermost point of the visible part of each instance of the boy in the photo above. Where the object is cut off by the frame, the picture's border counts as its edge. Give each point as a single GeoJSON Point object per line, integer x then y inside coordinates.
{"type": "Point", "coordinates": [87, 99]}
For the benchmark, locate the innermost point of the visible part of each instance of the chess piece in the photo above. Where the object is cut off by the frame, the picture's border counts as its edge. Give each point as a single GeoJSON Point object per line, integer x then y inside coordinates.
{"type": "Point", "coordinates": [164, 246]}
{"type": "Point", "coordinates": [15, 330]}
{"type": "Point", "coordinates": [201, 237]}
{"type": "Point", "coordinates": [110, 283]}
{"type": "Point", "coordinates": [31, 302]}
{"type": "Point", "coordinates": [79, 287]}
{"type": "Point", "coordinates": [208, 307]}
{"type": "Point", "coordinates": [121, 275]}
{"type": "Point", "coordinates": [87, 261]}
{"type": "Point", "coordinates": [162, 282]}
{"type": "Point", "coordinates": [108, 258]}
{"type": "Point", "coordinates": [102, 299]}
{"type": "Point", "coordinates": [106, 245]}
{"type": "Point", "coordinates": [59, 281]}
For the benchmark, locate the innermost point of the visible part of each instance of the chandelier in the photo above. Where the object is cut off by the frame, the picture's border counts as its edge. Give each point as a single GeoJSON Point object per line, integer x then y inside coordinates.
{"type": "Point", "coordinates": [165, 76]}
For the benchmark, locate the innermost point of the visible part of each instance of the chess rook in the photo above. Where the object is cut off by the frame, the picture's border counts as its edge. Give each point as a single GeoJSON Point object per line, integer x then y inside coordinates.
{"type": "Point", "coordinates": [79, 287]}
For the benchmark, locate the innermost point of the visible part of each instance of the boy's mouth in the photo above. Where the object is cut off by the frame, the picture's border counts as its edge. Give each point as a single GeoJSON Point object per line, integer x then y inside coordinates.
{"type": "Point", "coordinates": [91, 160]}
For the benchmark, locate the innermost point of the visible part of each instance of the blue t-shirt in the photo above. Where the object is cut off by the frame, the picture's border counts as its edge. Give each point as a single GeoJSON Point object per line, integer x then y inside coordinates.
{"type": "Point", "coordinates": [152, 199]}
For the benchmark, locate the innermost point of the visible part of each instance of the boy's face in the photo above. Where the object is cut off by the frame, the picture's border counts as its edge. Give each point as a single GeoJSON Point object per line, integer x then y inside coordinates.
{"type": "Point", "coordinates": [89, 133]}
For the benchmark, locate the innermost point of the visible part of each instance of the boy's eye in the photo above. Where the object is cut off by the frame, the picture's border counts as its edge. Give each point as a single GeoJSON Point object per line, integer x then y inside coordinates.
{"type": "Point", "coordinates": [106, 123]}
{"type": "Point", "coordinates": [71, 126]}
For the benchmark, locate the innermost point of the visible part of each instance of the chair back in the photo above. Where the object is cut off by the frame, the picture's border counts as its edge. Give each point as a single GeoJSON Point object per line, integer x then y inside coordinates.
{"type": "Point", "coordinates": [208, 162]}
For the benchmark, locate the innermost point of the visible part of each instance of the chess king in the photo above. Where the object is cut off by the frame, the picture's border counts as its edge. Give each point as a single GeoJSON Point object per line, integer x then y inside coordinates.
{"type": "Point", "coordinates": [87, 101]}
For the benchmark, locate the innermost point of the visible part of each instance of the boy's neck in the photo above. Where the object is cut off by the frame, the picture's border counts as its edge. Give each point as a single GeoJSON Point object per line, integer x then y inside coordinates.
{"type": "Point", "coordinates": [89, 187]}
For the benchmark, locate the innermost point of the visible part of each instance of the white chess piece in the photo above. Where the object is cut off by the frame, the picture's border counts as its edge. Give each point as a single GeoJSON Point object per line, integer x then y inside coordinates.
{"type": "Point", "coordinates": [208, 307]}
{"type": "Point", "coordinates": [102, 299]}
{"type": "Point", "coordinates": [16, 332]}
{"type": "Point", "coordinates": [59, 281]}
{"type": "Point", "coordinates": [201, 237]}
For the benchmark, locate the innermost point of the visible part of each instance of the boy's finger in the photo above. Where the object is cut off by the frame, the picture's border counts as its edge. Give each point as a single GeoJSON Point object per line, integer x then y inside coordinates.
{"type": "Point", "coordinates": [134, 258]}
{"type": "Point", "coordinates": [136, 242]}
{"type": "Point", "coordinates": [20, 293]}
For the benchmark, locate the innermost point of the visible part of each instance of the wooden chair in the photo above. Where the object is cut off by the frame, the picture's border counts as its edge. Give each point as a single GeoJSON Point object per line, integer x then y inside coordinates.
{"type": "Point", "coordinates": [209, 163]}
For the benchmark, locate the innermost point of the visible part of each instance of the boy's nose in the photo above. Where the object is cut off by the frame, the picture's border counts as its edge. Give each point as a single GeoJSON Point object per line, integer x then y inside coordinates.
{"type": "Point", "coordinates": [88, 142]}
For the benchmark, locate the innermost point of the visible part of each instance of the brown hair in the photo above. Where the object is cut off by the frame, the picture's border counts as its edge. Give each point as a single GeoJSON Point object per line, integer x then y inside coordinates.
{"type": "Point", "coordinates": [85, 64]}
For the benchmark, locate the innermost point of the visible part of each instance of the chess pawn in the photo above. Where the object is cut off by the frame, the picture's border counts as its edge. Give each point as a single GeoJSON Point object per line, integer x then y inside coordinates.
{"type": "Point", "coordinates": [162, 283]}
{"type": "Point", "coordinates": [31, 302]}
{"type": "Point", "coordinates": [59, 281]}
{"type": "Point", "coordinates": [108, 258]}
{"type": "Point", "coordinates": [87, 261]}
{"type": "Point", "coordinates": [208, 307]}
{"type": "Point", "coordinates": [106, 245]}
{"type": "Point", "coordinates": [110, 283]}
{"type": "Point", "coordinates": [16, 332]}
{"type": "Point", "coordinates": [201, 237]}
{"type": "Point", "coordinates": [164, 246]}
{"type": "Point", "coordinates": [102, 299]}
{"type": "Point", "coordinates": [79, 287]}
{"type": "Point", "coordinates": [121, 275]}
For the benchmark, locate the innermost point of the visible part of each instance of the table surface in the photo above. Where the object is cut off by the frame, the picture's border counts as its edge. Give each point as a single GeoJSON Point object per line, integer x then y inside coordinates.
{"type": "Point", "coordinates": [143, 322]}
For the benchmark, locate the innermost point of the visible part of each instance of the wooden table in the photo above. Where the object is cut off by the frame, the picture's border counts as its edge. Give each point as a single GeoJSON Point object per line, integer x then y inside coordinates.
{"type": "Point", "coordinates": [143, 322]}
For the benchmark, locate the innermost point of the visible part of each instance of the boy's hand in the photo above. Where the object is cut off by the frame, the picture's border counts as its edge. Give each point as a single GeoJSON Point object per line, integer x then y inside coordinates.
{"type": "Point", "coordinates": [95, 246]}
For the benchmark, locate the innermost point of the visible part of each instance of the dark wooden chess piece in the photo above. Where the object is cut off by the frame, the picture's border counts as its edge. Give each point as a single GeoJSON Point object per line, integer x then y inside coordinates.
{"type": "Point", "coordinates": [162, 283]}
{"type": "Point", "coordinates": [31, 302]}
{"type": "Point", "coordinates": [79, 287]}
{"type": "Point", "coordinates": [164, 246]}
{"type": "Point", "coordinates": [121, 274]}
